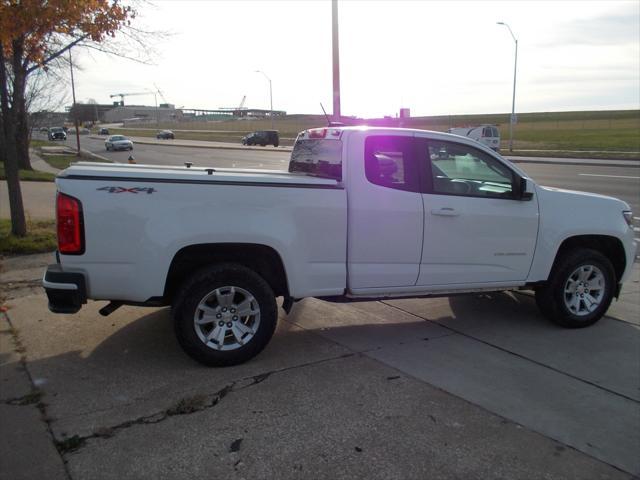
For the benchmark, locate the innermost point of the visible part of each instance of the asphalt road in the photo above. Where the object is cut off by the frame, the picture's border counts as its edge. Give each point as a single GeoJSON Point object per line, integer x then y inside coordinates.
{"type": "Point", "coordinates": [619, 182]}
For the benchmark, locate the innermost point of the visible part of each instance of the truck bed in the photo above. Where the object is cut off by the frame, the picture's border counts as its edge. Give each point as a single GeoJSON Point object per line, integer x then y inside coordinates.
{"type": "Point", "coordinates": [138, 217]}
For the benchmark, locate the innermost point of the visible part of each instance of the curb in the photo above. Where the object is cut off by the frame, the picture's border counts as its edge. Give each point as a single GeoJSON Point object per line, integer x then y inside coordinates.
{"type": "Point", "coordinates": [91, 155]}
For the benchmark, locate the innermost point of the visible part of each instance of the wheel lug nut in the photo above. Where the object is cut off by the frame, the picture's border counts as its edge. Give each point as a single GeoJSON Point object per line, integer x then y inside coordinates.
{"type": "Point", "coordinates": [224, 309]}
{"type": "Point", "coordinates": [218, 315]}
{"type": "Point", "coordinates": [229, 324]}
{"type": "Point", "coordinates": [235, 317]}
{"type": "Point", "coordinates": [233, 310]}
{"type": "Point", "coordinates": [221, 323]}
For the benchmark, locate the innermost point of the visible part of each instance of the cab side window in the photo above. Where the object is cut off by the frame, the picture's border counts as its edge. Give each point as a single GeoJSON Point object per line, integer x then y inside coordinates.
{"type": "Point", "coordinates": [390, 162]}
{"type": "Point", "coordinates": [458, 169]}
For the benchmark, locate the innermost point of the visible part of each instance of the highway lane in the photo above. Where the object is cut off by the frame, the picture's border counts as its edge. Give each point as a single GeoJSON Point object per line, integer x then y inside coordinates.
{"type": "Point", "coordinates": [170, 155]}
{"type": "Point", "coordinates": [619, 182]}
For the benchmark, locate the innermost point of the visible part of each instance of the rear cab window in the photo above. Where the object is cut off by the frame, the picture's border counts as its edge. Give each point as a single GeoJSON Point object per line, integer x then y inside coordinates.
{"type": "Point", "coordinates": [318, 152]}
{"type": "Point", "coordinates": [390, 162]}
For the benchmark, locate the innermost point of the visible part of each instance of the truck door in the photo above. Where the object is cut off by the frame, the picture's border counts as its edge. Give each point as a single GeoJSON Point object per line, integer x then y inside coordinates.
{"type": "Point", "coordinates": [385, 213]}
{"type": "Point", "coordinates": [475, 231]}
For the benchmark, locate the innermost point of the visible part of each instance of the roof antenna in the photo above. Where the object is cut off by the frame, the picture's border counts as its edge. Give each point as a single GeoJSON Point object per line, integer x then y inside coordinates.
{"type": "Point", "coordinates": [325, 115]}
{"type": "Point", "coordinates": [329, 122]}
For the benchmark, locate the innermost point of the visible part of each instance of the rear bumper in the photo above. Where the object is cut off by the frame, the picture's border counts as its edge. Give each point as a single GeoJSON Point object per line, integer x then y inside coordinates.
{"type": "Point", "coordinates": [66, 291]}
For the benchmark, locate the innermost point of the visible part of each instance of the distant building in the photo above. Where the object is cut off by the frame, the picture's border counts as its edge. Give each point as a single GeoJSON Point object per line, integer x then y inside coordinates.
{"type": "Point", "coordinates": [88, 112]}
{"type": "Point", "coordinates": [229, 113]}
{"type": "Point", "coordinates": [142, 114]}
{"type": "Point", "coordinates": [47, 119]}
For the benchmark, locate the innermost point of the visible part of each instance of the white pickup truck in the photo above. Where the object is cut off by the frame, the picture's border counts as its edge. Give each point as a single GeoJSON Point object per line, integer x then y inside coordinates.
{"type": "Point", "coordinates": [362, 213]}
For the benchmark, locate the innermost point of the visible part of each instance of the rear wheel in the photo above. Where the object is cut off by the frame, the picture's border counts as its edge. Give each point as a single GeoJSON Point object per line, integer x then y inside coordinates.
{"type": "Point", "coordinates": [579, 290]}
{"type": "Point", "coordinates": [224, 315]}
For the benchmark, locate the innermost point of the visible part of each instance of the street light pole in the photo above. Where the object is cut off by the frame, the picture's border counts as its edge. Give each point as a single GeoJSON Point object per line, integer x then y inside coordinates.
{"type": "Point", "coordinates": [270, 96]}
{"type": "Point", "coordinates": [335, 46]}
{"type": "Point", "coordinates": [75, 107]}
{"type": "Point", "coordinates": [513, 101]}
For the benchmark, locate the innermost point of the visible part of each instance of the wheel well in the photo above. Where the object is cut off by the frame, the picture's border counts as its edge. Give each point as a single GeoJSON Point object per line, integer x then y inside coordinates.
{"type": "Point", "coordinates": [610, 247]}
{"type": "Point", "coordinates": [264, 260]}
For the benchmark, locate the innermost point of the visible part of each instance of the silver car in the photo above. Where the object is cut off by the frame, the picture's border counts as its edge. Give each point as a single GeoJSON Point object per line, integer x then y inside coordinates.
{"type": "Point", "coordinates": [118, 142]}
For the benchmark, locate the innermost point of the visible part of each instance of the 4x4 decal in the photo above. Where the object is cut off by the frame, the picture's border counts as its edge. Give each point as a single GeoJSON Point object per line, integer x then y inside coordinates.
{"type": "Point", "coordinates": [148, 190]}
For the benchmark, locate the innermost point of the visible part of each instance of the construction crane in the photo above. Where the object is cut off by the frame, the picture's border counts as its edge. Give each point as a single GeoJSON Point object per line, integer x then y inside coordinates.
{"type": "Point", "coordinates": [239, 107]}
{"type": "Point", "coordinates": [161, 94]}
{"type": "Point", "coordinates": [122, 95]}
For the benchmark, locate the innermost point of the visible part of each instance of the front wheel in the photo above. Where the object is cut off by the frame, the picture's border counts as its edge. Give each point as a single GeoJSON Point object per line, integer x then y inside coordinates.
{"type": "Point", "coordinates": [579, 290]}
{"type": "Point", "coordinates": [224, 315]}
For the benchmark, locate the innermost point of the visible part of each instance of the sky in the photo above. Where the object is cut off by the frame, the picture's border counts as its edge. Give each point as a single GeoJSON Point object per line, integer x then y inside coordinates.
{"type": "Point", "coordinates": [434, 57]}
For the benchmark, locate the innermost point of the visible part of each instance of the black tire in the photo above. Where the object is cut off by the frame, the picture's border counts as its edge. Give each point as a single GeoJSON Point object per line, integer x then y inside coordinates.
{"type": "Point", "coordinates": [263, 144]}
{"type": "Point", "coordinates": [201, 285]}
{"type": "Point", "coordinates": [276, 144]}
{"type": "Point", "coordinates": [551, 296]}
{"type": "Point", "coordinates": [131, 148]}
{"type": "Point", "coordinates": [107, 148]}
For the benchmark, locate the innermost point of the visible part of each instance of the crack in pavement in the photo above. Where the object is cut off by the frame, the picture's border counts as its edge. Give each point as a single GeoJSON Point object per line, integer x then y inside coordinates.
{"type": "Point", "coordinates": [35, 391]}
{"type": "Point", "coordinates": [185, 406]}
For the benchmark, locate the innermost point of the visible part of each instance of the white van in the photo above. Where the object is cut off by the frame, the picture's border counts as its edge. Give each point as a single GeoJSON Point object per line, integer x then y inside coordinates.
{"type": "Point", "coordinates": [488, 135]}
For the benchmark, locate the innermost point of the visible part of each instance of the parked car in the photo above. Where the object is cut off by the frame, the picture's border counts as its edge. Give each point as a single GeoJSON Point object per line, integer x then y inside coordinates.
{"type": "Point", "coordinates": [103, 131]}
{"type": "Point", "coordinates": [488, 135]}
{"type": "Point", "coordinates": [118, 142]}
{"type": "Point", "coordinates": [361, 214]}
{"type": "Point", "coordinates": [262, 137]}
{"type": "Point", "coordinates": [165, 134]}
{"type": "Point", "coordinates": [57, 133]}
{"type": "Point", "coordinates": [44, 130]}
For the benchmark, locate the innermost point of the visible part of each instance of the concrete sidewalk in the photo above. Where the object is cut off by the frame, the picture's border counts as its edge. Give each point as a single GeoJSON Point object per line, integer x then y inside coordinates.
{"type": "Point", "coordinates": [39, 164]}
{"type": "Point", "coordinates": [473, 387]}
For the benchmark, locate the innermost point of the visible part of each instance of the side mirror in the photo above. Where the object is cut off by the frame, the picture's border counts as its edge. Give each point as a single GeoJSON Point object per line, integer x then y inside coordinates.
{"type": "Point", "coordinates": [526, 189]}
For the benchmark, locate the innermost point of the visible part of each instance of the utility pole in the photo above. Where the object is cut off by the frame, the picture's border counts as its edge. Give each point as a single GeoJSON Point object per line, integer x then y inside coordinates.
{"type": "Point", "coordinates": [336, 60]}
{"type": "Point", "coordinates": [75, 109]}
{"type": "Point", "coordinates": [513, 100]}
{"type": "Point", "coordinates": [270, 96]}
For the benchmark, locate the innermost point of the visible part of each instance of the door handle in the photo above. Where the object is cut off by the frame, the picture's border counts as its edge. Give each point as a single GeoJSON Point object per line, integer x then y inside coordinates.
{"type": "Point", "coordinates": [445, 212]}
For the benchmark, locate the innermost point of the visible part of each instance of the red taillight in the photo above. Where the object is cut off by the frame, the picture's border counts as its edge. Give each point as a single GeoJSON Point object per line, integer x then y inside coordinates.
{"type": "Point", "coordinates": [70, 225]}
{"type": "Point", "coordinates": [317, 133]}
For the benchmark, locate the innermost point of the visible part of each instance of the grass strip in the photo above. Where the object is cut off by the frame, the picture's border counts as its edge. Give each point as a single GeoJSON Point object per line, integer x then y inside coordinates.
{"type": "Point", "coordinates": [29, 175]}
{"type": "Point", "coordinates": [40, 238]}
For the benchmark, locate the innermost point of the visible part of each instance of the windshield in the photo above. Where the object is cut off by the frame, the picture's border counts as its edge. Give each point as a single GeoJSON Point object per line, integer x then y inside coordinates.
{"type": "Point", "coordinates": [320, 158]}
{"type": "Point", "coordinates": [118, 137]}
